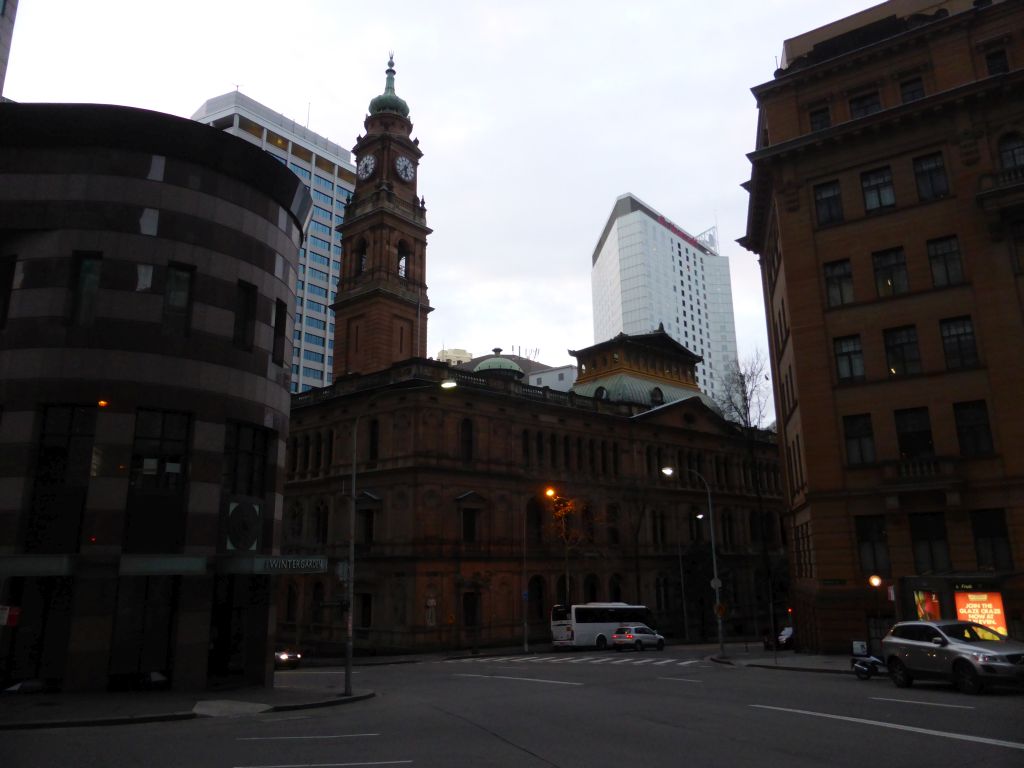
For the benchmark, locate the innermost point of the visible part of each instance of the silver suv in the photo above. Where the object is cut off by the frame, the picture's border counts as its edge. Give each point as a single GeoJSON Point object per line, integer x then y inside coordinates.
{"type": "Point", "coordinates": [969, 654]}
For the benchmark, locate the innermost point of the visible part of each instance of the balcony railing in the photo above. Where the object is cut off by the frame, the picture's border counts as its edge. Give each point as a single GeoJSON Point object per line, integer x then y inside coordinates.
{"type": "Point", "coordinates": [1002, 189]}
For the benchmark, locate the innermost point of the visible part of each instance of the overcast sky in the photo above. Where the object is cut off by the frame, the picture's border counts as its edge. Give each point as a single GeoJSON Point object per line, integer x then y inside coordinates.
{"type": "Point", "coordinates": [533, 117]}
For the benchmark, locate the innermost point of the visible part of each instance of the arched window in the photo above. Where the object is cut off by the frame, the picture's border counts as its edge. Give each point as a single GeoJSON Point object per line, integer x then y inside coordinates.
{"type": "Point", "coordinates": [304, 461]}
{"type": "Point", "coordinates": [293, 454]}
{"type": "Point", "coordinates": [600, 393]}
{"type": "Point", "coordinates": [403, 259]}
{"type": "Point", "coordinates": [293, 525]}
{"type": "Point", "coordinates": [1011, 151]}
{"type": "Point", "coordinates": [526, 447]}
{"type": "Point", "coordinates": [590, 588]}
{"type": "Point", "coordinates": [317, 450]}
{"type": "Point", "coordinates": [657, 396]}
{"type": "Point", "coordinates": [360, 257]}
{"type": "Point", "coordinates": [537, 609]}
{"type": "Point", "coordinates": [615, 588]}
{"type": "Point", "coordinates": [466, 439]}
{"type": "Point", "coordinates": [320, 523]}
{"type": "Point", "coordinates": [329, 448]}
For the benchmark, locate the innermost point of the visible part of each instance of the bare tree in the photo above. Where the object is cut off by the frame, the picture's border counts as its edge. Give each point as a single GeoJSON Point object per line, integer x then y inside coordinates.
{"type": "Point", "coordinates": [747, 399]}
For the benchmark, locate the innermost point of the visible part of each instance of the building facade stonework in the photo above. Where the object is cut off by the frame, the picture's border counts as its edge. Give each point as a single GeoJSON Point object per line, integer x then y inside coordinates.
{"type": "Point", "coordinates": [887, 210]}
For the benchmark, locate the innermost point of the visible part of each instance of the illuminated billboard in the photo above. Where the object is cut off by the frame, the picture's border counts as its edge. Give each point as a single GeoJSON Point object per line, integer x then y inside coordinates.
{"type": "Point", "coordinates": [927, 605]}
{"type": "Point", "coordinates": [985, 608]}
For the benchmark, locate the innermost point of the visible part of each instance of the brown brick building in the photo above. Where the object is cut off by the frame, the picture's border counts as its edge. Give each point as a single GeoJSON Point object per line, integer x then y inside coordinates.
{"type": "Point", "coordinates": [887, 209]}
{"type": "Point", "coordinates": [453, 534]}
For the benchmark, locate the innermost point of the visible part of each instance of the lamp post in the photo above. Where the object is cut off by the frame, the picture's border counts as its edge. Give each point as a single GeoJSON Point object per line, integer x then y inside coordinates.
{"type": "Point", "coordinates": [876, 584]}
{"type": "Point", "coordinates": [350, 589]}
{"type": "Point", "coordinates": [716, 583]}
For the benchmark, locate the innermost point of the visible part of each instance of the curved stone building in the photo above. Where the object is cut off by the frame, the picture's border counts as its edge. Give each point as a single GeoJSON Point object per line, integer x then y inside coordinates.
{"type": "Point", "coordinates": [146, 273]}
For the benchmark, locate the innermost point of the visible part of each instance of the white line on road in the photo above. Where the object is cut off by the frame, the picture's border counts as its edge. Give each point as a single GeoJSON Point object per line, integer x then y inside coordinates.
{"type": "Point", "coordinates": [643, 661]}
{"type": "Point", "coordinates": [318, 672]}
{"type": "Point", "coordinates": [623, 661]}
{"type": "Point", "coordinates": [582, 658]}
{"type": "Point", "coordinates": [681, 679]}
{"type": "Point", "coordinates": [527, 679]}
{"type": "Point", "coordinates": [926, 731]}
{"type": "Point", "coordinates": [667, 661]}
{"type": "Point", "coordinates": [602, 659]}
{"type": "Point", "coordinates": [691, 661]}
{"type": "Point", "coordinates": [924, 703]}
{"type": "Point", "coordinates": [326, 765]}
{"type": "Point", "coordinates": [282, 738]}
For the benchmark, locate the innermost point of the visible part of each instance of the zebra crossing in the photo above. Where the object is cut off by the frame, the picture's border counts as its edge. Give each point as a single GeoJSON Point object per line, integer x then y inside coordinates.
{"type": "Point", "coordinates": [562, 658]}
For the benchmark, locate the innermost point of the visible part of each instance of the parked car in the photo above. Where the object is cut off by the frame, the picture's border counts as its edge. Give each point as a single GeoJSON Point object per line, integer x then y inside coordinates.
{"type": "Point", "coordinates": [785, 639]}
{"type": "Point", "coordinates": [638, 636]}
{"type": "Point", "coordinates": [968, 654]}
{"type": "Point", "coordinates": [287, 658]}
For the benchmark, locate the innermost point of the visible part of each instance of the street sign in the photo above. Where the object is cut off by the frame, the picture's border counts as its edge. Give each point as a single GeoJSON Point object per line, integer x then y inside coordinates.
{"type": "Point", "coordinates": [716, 583]}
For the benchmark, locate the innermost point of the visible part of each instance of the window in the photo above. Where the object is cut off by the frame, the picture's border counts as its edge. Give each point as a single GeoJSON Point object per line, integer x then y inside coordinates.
{"type": "Point", "coordinates": [944, 258]}
{"type": "Point", "coordinates": [160, 452]}
{"type": "Point", "coordinates": [996, 62]}
{"type": "Point", "coordinates": [991, 540]}
{"type": "Point", "coordinates": [466, 439]}
{"type": "Point", "coordinates": [1011, 151]}
{"type": "Point", "coordinates": [931, 550]}
{"type": "Point", "coordinates": [901, 353]}
{"type": "Point", "coordinates": [177, 300]}
{"type": "Point", "coordinates": [912, 89]}
{"type": "Point", "coordinates": [7, 266]}
{"type": "Point", "coordinates": [85, 287]}
{"type": "Point", "coordinates": [849, 358]}
{"type": "Point", "coordinates": [838, 283]}
{"type": "Point", "coordinates": [972, 428]}
{"type": "Point", "coordinates": [958, 343]}
{"type": "Point", "coordinates": [890, 272]}
{"type": "Point", "coordinates": [828, 203]}
{"type": "Point", "coordinates": [364, 535]}
{"type": "Point", "coordinates": [860, 440]}
{"type": "Point", "coordinates": [930, 174]}
{"type": "Point", "coordinates": [245, 459]}
{"type": "Point", "coordinates": [872, 545]}
{"type": "Point", "coordinates": [820, 118]}
{"type": "Point", "coordinates": [470, 519]}
{"type": "Point", "coordinates": [914, 433]}
{"type": "Point", "coordinates": [280, 321]}
{"type": "Point", "coordinates": [245, 315]}
{"type": "Point", "coordinates": [878, 190]}
{"type": "Point", "coordinates": [865, 104]}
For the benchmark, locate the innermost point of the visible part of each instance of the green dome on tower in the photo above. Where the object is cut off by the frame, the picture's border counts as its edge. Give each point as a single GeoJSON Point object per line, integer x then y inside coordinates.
{"type": "Point", "coordinates": [389, 100]}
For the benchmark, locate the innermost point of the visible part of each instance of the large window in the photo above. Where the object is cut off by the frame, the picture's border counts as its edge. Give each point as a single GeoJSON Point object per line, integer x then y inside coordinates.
{"type": "Point", "coordinates": [160, 453]}
{"type": "Point", "coordinates": [890, 272]}
{"type": "Point", "coordinates": [1011, 151]}
{"type": "Point", "coordinates": [838, 283]}
{"type": "Point", "coordinates": [901, 354]}
{"type": "Point", "coordinates": [878, 189]}
{"type": "Point", "coordinates": [996, 62]}
{"type": "Point", "coordinates": [865, 104]}
{"type": "Point", "coordinates": [991, 540]}
{"type": "Point", "coordinates": [85, 288]}
{"type": "Point", "coordinates": [914, 433]}
{"type": "Point", "coordinates": [972, 428]}
{"type": "Point", "coordinates": [930, 174]}
{"type": "Point", "coordinates": [958, 342]}
{"type": "Point", "coordinates": [828, 203]}
{"type": "Point", "coordinates": [849, 358]}
{"type": "Point", "coordinates": [944, 259]}
{"type": "Point", "coordinates": [245, 459]}
{"type": "Point", "coordinates": [911, 90]}
{"type": "Point", "coordinates": [860, 440]}
{"type": "Point", "coordinates": [820, 118]}
{"type": "Point", "coordinates": [931, 549]}
{"type": "Point", "coordinates": [470, 525]}
{"type": "Point", "coordinates": [245, 315]}
{"type": "Point", "coordinates": [872, 545]}
{"type": "Point", "coordinates": [177, 300]}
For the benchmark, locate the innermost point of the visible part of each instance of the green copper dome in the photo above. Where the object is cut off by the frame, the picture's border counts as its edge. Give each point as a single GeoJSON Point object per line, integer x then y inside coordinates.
{"type": "Point", "coordinates": [389, 100]}
{"type": "Point", "coordinates": [499, 363]}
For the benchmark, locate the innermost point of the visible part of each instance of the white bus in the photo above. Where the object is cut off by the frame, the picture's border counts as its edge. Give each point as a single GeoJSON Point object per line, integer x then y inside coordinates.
{"type": "Point", "coordinates": [592, 624]}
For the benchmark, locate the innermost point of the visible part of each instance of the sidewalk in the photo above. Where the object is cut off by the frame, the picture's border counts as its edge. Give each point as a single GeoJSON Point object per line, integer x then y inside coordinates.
{"type": "Point", "coordinates": [67, 710]}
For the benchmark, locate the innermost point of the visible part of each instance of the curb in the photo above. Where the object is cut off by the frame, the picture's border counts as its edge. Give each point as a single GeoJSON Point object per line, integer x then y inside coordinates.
{"type": "Point", "coordinates": [174, 716]}
{"type": "Point", "coordinates": [818, 670]}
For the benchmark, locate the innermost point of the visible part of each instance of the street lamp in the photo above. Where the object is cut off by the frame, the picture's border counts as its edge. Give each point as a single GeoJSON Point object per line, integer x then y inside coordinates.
{"type": "Point", "coordinates": [876, 582]}
{"type": "Point", "coordinates": [350, 590]}
{"type": "Point", "coordinates": [716, 583]}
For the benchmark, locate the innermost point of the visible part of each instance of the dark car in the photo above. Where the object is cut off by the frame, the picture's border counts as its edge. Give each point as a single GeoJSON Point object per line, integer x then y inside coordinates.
{"type": "Point", "coordinates": [969, 654]}
{"type": "Point", "coordinates": [287, 658]}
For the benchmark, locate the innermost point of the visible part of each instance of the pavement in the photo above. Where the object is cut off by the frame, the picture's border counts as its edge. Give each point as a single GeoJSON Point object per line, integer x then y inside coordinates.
{"type": "Point", "coordinates": [19, 711]}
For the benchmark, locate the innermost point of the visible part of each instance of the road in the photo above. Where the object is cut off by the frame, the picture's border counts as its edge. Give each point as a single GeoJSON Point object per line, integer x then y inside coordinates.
{"type": "Point", "coordinates": [573, 710]}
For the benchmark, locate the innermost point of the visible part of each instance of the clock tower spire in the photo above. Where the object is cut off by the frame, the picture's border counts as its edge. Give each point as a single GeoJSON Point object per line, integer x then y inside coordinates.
{"type": "Point", "coordinates": [381, 309]}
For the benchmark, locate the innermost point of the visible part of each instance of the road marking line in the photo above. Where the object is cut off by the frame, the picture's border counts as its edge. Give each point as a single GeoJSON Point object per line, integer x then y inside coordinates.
{"type": "Point", "coordinates": [284, 738]}
{"type": "Point", "coordinates": [659, 663]}
{"type": "Point", "coordinates": [583, 658]}
{"type": "Point", "coordinates": [923, 703]}
{"type": "Point", "coordinates": [894, 726]}
{"type": "Point", "coordinates": [527, 679]}
{"type": "Point", "coordinates": [681, 679]}
{"type": "Point", "coordinates": [623, 661]}
{"type": "Point", "coordinates": [691, 661]}
{"type": "Point", "coordinates": [601, 660]}
{"type": "Point", "coordinates": [326, 765]}
{"type": "Point", "coordinates": [643, 661]}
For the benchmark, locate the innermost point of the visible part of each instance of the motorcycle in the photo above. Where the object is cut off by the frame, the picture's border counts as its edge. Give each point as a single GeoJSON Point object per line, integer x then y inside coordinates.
{"type": "Point", "coordinates": [865, 667]}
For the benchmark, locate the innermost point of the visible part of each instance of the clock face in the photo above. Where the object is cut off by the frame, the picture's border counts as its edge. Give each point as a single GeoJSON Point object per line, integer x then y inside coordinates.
{"type": "Point", "coordinates": [406, 170]}
{"type": "Point", "coordinates": [366, 166]}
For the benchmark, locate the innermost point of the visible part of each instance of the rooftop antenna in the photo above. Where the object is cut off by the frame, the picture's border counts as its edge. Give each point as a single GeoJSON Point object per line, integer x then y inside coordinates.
{"type": "Point", "coordinates": [237, 86]}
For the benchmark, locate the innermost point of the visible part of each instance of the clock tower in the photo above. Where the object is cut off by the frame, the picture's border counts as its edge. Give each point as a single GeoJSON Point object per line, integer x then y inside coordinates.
{"type": "Point", "coordinates": [381, 308]}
